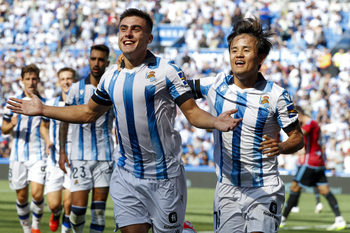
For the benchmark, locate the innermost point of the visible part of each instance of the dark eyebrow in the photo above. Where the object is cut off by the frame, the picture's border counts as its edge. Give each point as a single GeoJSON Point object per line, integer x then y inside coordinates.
{"type": "Point", "coordinates": [132, 26]}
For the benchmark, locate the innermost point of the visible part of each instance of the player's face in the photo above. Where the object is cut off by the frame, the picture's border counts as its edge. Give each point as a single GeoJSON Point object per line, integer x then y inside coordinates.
{"type": "Point", "coordinates": [98, 62]}
{"type": "Point", "coordinates": [65, 79]}
{"type": "Point", "coordinates": [30, 81]}
{"type": "Point", "coordinates": [133, 37]}
{"type": "Point", "coordinates": [244, 56]}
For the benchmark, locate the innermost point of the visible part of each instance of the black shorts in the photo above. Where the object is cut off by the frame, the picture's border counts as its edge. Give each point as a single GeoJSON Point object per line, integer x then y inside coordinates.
{"type": "Point", "coordinates": [308, 177]}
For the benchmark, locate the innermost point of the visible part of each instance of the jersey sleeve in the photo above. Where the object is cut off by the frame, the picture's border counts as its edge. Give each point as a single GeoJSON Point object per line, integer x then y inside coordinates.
{"type": "Point", "coordinates": [176, 84]}
{"type": "Point", "coordinates": [200, 87]}
{"type": "Point", "coordinates": [70, 100]}
{"type": "Point", "coordinates": [287, 115]}
{"type": "Point", "coordinates": [101, 95]}
{"type": "Point", "coordinates": [7, 114]}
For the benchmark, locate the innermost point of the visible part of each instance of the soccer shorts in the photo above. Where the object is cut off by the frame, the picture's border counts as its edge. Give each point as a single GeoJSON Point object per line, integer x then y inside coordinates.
{"type": "Point", "coordinates": [88, 174]}
{"type": "Point", "coordinates": [161, 203]}
{"type": "Point", "coordinates": [307, 177]}
{"type": "Point", "coordinates": [56, 179]}
{"type": "Point", "coordinates": [248, 209]}
{"type": "Point", "coordinates": [21, 173]}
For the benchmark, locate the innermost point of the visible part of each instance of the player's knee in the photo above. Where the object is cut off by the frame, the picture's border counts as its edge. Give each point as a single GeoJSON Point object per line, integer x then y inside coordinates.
{"type": "Point", "coordinates": [67, 204]}
{"type": "Point", "coordinates": [77, 215]}
{"type": "Point", "coordinates": [54, 206]}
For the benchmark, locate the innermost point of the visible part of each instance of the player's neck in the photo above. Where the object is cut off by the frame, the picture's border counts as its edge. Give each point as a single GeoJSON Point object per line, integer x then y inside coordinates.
{"type": "Point", "coordinates": [132, 62]}
{"type": "Point", "coordinates": [94, 81]}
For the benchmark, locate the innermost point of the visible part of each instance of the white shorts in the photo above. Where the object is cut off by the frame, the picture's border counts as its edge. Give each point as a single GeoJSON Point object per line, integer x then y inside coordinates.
{"type": "Point", "coordinates": [56, 179]}
{"type": "Point", "coordinates": [161, 203]}
{"type": "Point", "coordinates": [21, 173]}
{"type": "Point", "coordinates": [248, 209]}
{"type": "Point", "coordinates": [88, 174]}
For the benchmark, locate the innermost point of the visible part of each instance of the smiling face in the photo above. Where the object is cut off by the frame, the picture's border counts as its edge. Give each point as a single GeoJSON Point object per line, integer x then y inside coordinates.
{"type": "Point", "coordinates": [134, 37]}
{"type": "Point", "coordinates": [65, 78]}
{"type": "Point", "coordinates": [245, 60]}
{"type": "Point", "coordinates": [98, 62]}
{"type": "Point", "coordinates": [30, 81]}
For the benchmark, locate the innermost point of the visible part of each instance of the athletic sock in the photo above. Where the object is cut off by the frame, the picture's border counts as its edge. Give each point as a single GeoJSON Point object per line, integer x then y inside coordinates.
{"type": "Point", "coordinates": [23, 212]}
{"type": "Point", "coordinates": [38, 210]}
{"type": "Point", "coordinates": [77, 218]}
{"type": "Point", "coordinates": [317, 195]}
{"type": "Point", "coordinates": [97, 216]}
{"type": "Point", "coordinates": [65, 224]}
{"type": "Point", "coordinates": [293, 198]}
{"type": "Point", "coordinates": [57, 214]}
{"type": "Point", "coordinates": [333, 203]}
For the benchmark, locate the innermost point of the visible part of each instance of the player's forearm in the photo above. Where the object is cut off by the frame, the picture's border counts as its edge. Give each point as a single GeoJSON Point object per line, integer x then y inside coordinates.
{"type": "Point", "coordinates": [294, 143]}
{"type": "Point", "coordinates": [77, 114]}
{"type": "Point", "coordinates": [63, 136]}
{"type": "Point", "coordinates": [44, 131]}
{"type": "Point", "coordinates": [201, 119]}
{"type": "Point", "coordinates": [7, 127]}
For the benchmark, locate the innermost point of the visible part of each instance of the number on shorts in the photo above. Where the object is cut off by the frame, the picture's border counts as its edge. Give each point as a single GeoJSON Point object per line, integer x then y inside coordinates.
{"type": "Point", "coordinates": [82, 173]}
{"type": "Point", "coordinates": [217, 219]}
{"type": "Point", "coordinates": [10, 173]}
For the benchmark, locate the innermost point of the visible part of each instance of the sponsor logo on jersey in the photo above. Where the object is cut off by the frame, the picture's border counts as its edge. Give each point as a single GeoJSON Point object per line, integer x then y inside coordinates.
{"type": "Point", "coordinates": [182, 77]}
{"type": "Point", "coordinates": [223, 87]}
{"type": "Point", "coordinates": [265, 101]}
{"type": "Point", "coordinates": [81, 92]}
{"type": "Point", "coordinates": [151, 76]}
{"type": "Point", "coordinates": [172, 227]}
{"type": "Point", "coordinates": [173, 217]}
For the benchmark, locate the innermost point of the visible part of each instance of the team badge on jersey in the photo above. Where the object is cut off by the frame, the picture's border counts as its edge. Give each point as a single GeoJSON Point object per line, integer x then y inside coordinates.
{"type": "Point", "coordinates": [151, 76]}
{"type": "Point", "coordinates": [182, 77]}
{"type": "Point", "coordinates": [265, 101]}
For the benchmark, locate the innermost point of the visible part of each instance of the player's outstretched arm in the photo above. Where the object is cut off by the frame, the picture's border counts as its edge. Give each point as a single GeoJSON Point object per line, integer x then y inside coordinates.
{"type": "Point", "coordinates": [79, 114]}
{"type": "Point", "coordinates": [202, 119]}
{"type": "Point", "coordinates": [294, 143]}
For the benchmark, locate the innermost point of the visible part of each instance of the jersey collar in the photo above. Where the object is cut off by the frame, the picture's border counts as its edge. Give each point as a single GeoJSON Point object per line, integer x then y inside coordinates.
{"type": "Point", "coordinates": [261, 83]}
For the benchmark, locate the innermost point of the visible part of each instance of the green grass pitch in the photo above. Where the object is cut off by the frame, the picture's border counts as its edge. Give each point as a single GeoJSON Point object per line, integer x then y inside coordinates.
{"type": "Point", "coordinates": [199, 212]}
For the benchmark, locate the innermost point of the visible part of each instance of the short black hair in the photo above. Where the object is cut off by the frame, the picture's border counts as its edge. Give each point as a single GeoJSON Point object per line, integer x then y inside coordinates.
{"type": "Point", "coordinates": [139, 13]}
{"type": "Point", "coordinates": [253, 27]}
{"type": "Point", "coordinates": [101, 47]}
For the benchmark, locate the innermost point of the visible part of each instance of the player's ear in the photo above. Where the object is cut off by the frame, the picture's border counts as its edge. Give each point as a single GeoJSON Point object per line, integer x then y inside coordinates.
{"type": "Point", "coordinates": [150, 38]}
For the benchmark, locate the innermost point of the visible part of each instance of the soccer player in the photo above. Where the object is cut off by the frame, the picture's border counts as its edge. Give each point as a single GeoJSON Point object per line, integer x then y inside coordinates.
{"type": "Point", "coordinates": [56, 179]}
{"type": "Point", "coordinates": [91, 157]}
{"type": "Point", "coordinates": [311, 171]}
{"type": "Point", "coordinates": [28, 158]}
{"type": "Point", "coordinates": [249, 194]}
{"type": "Point", "coordinates": [148, 185]}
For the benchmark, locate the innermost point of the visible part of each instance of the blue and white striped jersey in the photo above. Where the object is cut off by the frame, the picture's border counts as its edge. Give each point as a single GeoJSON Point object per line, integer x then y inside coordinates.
{"type": "Point", "coordinates": [265, 109]}
{"type": "Point", "coordinates": [144, 101]}
{"type": "Point", "coordinates": [27, 145]}
{"type": "Point", "coordinates": [90, 141]}
{"type": "Point", "coordinates": [54, 130]}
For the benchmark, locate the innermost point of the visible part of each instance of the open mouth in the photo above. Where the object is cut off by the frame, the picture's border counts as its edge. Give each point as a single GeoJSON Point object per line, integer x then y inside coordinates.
{"type": "Point", "coordinates": [239, 63]}
{"type": "Point", "coordinates": [128, 43]}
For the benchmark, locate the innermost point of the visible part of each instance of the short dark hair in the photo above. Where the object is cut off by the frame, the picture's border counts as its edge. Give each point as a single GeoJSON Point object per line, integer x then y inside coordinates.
{"type": "Point", "coordinates": [253, 27]}
{"type": "Point", "coordinates": [139, 13]}
{"type": "Point", "coordinates": [30, 68]}
{"type": "Point", "coordinates": [100, 47]}
{"type": "Point", "coordinates": [70, 70]}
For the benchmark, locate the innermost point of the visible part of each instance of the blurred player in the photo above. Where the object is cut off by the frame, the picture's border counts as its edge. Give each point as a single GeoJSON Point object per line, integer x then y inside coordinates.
{"type": "Point", "coordinates": [249, 194]}
{"type": "Point", "coordinates": [28, 158]}
{"type": "Point", "coordinates": [92, 148]}
{"type": "Point", "coordinates": [56, 179]}
{"type": "Point", "coordinates": [311, 171]}
{"type": "Point", "coordinates": [148, 185]}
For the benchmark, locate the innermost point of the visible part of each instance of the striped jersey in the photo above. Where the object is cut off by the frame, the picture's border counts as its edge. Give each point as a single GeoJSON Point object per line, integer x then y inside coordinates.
{"type": "Point", "coordinates": [90, 141]}
{"type": "Point", "coordinates": [144, 101]}
{"type": "Point", "coordinates": [54, 131]}
{"type": "Point", "coordinates": [27, 144]}
{"type": "Point", "coordinates": [313, 151]}
{"type": "Point", "coordinates": [264, 110]}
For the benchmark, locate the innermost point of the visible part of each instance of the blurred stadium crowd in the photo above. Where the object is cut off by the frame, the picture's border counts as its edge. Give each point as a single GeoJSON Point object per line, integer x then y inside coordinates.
{"type": "Point", "coordinates": [55, 34]}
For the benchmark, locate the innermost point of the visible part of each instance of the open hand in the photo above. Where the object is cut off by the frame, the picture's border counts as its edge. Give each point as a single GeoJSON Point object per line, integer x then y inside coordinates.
{"type": "Point", "coordinates": [225, 122]}
{"type": "Point", "coordinates": [33, 107]}
{"type": "Point", "coordinates": [270, 147]}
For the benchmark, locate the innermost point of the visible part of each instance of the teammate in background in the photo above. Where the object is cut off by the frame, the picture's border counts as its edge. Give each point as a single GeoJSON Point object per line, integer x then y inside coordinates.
{"type": "Point", "coordinates": [92, 149]}
{"type": "Point", "coordinates": [56, 179]}
{"type": "Point", "coordinates": [311, 171]}
{"type": "Point", "coordinates": [28, 158]}
{"type": "Point", "coordinates": [148, 184]}
{"type": "Point", "coordinates": [249, 194]}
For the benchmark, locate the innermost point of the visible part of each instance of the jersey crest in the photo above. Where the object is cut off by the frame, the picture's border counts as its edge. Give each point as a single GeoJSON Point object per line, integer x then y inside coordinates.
{"type": "Point", "coordinates": [265, 101]}
{"type": "Point", "coordinates": [151, 76]}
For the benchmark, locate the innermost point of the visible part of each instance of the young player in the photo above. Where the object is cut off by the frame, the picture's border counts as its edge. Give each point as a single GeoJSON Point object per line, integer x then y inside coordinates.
{"type": "Point", "coordinates": [28, 157]}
